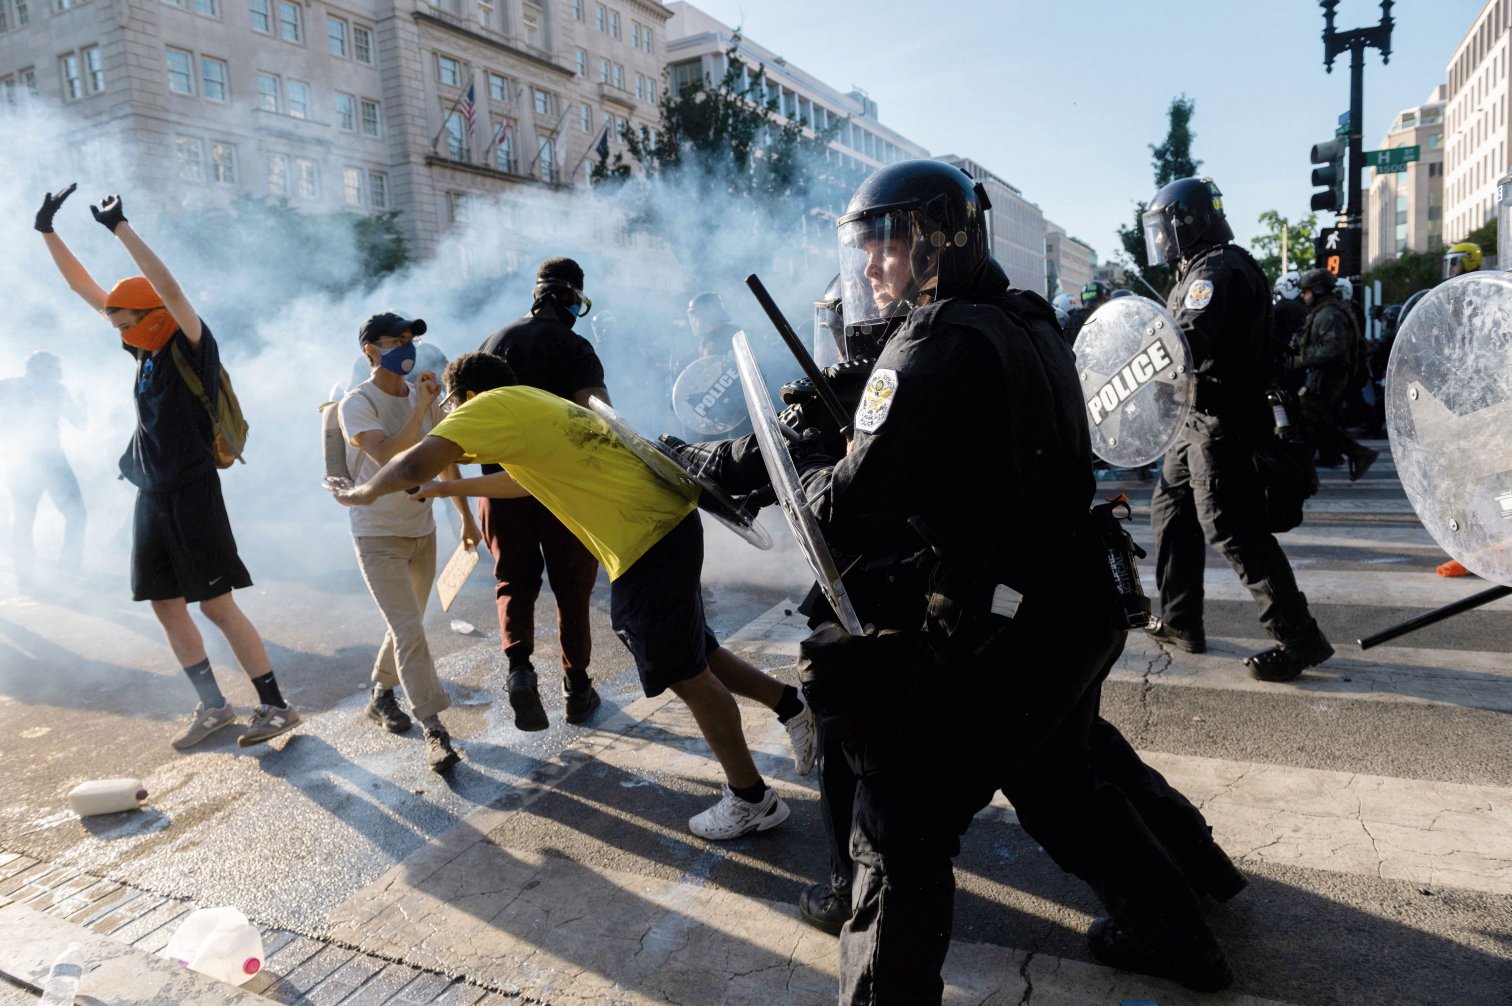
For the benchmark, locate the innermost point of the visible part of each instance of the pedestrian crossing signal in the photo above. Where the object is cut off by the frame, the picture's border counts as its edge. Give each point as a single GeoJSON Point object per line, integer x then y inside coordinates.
{"type": "Point", "coordinates": [1332, 264]}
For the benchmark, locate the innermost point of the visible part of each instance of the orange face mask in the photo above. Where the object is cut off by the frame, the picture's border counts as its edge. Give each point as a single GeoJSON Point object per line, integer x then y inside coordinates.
{"type": "Point", "coordinates": [157, 325]}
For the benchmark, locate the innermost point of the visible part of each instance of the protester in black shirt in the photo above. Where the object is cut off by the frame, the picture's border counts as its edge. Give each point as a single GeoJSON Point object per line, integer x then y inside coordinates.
{"type": "Point", "coordinates": [182, 549]}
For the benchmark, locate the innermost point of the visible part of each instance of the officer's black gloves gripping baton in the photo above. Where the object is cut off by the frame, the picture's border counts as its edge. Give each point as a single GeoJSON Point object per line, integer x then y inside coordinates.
{"type": "Point", "coordinates": [50, 206]}
{"type": "Point", "coordinates": [110, 212]}
{"type": "Point", "coordinates": [808, 452]}
{"type": "Point", "coordinates": [706, 456]}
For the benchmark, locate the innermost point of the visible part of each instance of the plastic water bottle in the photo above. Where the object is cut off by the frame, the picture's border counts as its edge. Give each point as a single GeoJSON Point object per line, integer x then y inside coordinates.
{"type": "Point", "coordinates": [106, 796]}
{"type": "Point", "coordinates": [62, 982]}
{"type": "Point", "coordinates": [218, 942]}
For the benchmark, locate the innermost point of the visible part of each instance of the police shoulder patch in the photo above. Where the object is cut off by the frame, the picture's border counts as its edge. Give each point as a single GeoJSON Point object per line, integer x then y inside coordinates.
{"type": "Point", "coordinates": [876, 400]}
{"type": "Point", "coordinates": [1198, 295]}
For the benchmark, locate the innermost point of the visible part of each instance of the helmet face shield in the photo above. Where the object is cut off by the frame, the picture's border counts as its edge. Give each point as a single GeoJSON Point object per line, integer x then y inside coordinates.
{"type": "Point", "coordinates": [829, 333]}
{"type": "Point", "coordinates": [880, 275]}
{"type": "Point", "coordinates": [1454, 264]}
{"type": "Point", "coordinates": [1160, 239]}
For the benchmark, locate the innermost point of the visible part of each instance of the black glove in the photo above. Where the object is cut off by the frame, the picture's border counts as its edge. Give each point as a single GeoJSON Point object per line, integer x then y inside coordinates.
{"type": "Point", "coordinates": [50, 206]}
{"type": "Point", "coordinates": [110, 212]}
{"type": "Point", "coordinates": [797, 392]}
{"type": "Point", "coordinates": [808, 452]}
{"type": "Point", "coordinates": [707, 454]}
{"type": "Point", "coordinates": [753, 501]}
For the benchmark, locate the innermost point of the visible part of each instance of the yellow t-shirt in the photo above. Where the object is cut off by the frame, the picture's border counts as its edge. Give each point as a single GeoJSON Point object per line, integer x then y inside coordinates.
{"type": "Point", "coordinates": [571, 461]}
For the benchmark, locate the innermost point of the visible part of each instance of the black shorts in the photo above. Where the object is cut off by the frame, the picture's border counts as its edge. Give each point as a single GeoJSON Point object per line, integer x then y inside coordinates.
{"type": "Point", "coordinates": [182, 546]}
{"type": "Point", "coordinates": [656, 608]}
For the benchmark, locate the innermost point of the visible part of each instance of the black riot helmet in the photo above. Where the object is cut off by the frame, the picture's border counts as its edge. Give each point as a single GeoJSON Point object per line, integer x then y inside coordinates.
{"type": "Point", "coordinates": [1320, 281]}
{"type": "Point", "coordinates": [1185, 217]}
{"type": "Point", "coordinates": [914, 231]}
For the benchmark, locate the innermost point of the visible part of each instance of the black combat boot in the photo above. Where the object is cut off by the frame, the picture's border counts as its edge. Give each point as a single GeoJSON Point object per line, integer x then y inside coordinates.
{"type": "Point", "coordinates": [1192, 642]}
{"type": "Point", "coordinates": [825, 907]}
{"type": "Point", "coordinates": [525, 699]}
{"type": "Point", "coordinates": [580, 700]}
{"type": "Point", "coordinates": [1285, 661]}
{"type": "Point", "coordinates": [1197, 963]}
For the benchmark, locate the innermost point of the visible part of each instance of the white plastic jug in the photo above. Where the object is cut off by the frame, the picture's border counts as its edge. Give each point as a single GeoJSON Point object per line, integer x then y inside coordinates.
{"type": "Point", "coordinates": [106, 796]}
{"type": "Point", "coordinates": [218, 942]}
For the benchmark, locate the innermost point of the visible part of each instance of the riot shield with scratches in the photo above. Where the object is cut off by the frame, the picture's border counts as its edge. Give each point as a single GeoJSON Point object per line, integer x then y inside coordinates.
{"type": "Point", "coordinates": [1136, 379]}
{"type": "Point", "coordinates": [1449, 418]}
{"type": "Point", "coordinates": [706, 397]}
{"type": "Point", "coordinates": [695, 487]}
{"type": "Point", "coordinates": [790, 492]}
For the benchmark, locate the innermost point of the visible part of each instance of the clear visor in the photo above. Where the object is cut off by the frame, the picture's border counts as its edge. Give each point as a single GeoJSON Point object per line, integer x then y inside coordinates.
{"type": "Point", "coordinates": [1159, 242]}
{"type": "Point", "coordinates": [877, 276]}
{"type": "Point", "coordinates": [829, 334]}
{"type": "Point", "coordinates": [1454, 263]}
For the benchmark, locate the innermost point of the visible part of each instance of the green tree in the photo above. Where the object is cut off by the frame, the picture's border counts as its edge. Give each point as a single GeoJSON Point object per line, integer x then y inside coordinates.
{"type": "Point", "coordinates": [723, 147]}
{"type": "Point", "coordinates": [1299, 243]}
{"type": "Point", "coordinates": [1406, 274]}
{"type": "Point", "coordinates": [1171, 160]}
{"type": "Point", "coordinates": [381, 245]}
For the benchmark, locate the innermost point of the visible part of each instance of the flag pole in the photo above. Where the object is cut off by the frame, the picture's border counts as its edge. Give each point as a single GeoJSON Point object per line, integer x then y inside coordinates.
{"type": "Point", "coordinates": [603, 139]}
{"type": "Point", "coordinates": [437, 138]}
{"type": "Point", "coordinates": [554, 134]}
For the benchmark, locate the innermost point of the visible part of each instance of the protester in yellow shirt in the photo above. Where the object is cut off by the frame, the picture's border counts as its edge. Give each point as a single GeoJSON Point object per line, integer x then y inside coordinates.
{"type": "Point", "coordinates": [649, 539]}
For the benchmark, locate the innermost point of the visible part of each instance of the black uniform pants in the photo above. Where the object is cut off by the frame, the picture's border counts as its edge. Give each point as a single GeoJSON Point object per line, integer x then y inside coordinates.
{"type": "Point", "coordinates": [1027, 732]}
{"type": "Point", "coordinates": [1321, 420]}
{"type": "Point", "coordinates": [1209, 490]}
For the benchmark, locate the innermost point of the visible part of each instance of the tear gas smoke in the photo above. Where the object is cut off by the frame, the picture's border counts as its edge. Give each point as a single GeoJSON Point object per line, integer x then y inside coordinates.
{"type": "Point", "coordinates": [286, 314]}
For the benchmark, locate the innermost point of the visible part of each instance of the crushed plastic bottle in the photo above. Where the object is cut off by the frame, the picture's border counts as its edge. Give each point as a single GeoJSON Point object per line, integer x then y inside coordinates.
{"type": "Point", "coordinates": [62, 982]}
{"type": "Point", "coordinates": [461, 627]}
{"type": "Point", "coordinates": [218, 942]}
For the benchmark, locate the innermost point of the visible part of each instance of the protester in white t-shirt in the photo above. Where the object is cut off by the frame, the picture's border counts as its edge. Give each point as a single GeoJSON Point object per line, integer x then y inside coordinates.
{"type": "Point", "coordinates": [396, 540]}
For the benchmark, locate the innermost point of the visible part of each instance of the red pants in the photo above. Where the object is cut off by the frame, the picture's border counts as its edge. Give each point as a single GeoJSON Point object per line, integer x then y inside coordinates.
{"type": "Point", "coordinates": [527, 539]}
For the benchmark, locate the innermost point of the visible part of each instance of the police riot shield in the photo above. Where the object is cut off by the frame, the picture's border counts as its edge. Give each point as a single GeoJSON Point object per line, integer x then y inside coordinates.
{"type": "Point", "coordinates": [706, 396]}
{"type": "Point", "coordinates": [696, 488]}
{"type": "Point", "coordinates": [1136, 378]}
{"type": "Point", "coordinates": [790, 492]}
{"type": "Point", "coordinates": [1449, 417]}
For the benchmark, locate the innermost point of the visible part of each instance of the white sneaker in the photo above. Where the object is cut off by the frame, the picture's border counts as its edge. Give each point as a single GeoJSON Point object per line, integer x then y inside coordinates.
{"type": "Point", "coordinates": [803, 733]}
{"type": "Point", "coordinates": [732, 817]}
{"type": "Point", "coordinates": [203, 723]}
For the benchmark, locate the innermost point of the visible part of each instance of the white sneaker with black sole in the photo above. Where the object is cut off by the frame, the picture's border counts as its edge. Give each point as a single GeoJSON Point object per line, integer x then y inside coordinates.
{"type": "Point", "coordinates": [732, 817]}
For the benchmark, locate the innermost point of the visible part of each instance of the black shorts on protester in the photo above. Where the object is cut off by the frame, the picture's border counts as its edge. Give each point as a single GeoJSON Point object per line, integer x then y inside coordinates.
{"type": "Point", "coordinates": [182, 546]}
{"type": "Point", "coordinates": [656, 608]}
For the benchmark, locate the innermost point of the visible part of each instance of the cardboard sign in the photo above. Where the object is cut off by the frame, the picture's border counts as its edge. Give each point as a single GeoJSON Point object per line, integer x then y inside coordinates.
{"type": "Point", "coordinates": [455, 574]}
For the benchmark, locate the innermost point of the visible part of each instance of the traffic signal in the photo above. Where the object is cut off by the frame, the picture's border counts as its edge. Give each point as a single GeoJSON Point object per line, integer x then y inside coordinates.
{"type": "Point", "coordinates": [1330, 154]}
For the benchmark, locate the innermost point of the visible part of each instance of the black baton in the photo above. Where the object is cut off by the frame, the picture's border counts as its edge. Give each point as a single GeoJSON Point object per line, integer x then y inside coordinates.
{"type": "Point", "coordinates": [800, 351]}
{"type": "Point", "coordinates": [1436, 615]}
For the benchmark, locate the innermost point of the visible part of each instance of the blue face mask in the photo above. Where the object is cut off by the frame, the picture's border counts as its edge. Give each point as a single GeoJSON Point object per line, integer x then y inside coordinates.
{"type": "Point", "coordinates": [400, 360]}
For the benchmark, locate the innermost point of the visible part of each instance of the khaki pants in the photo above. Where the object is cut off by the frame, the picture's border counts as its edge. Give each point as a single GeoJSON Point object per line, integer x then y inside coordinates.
{"type": "Point", "coordinates": [399, 572]}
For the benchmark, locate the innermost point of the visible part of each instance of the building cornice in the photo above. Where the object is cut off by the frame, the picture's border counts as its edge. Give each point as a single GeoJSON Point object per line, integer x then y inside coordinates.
{"type": "Point", "coordinates": [426, 18]}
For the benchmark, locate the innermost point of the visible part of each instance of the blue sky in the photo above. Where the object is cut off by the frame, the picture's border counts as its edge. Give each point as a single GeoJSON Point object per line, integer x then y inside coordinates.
{"type": "Point", "coordinates": [1063, 98]}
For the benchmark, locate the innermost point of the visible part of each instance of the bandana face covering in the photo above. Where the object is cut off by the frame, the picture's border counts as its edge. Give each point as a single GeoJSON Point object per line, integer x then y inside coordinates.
{"type": "Point", "coordinates": [152, 332]}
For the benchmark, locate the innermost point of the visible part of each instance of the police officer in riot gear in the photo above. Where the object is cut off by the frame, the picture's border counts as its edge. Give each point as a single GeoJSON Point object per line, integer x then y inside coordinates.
{"type": "Point", "coordinates": [1209, 488]}
{"type": "Point", "coordinates": [1290, 312]}
{"type": "Point", "coordinates": [1017, 595]}
{"type": "Point", "coordinates": [1326, 355]}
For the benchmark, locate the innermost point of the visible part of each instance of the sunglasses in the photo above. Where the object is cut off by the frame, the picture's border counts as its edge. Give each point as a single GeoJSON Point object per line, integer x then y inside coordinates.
{"type": "Point", "coordinates": [451, 401]}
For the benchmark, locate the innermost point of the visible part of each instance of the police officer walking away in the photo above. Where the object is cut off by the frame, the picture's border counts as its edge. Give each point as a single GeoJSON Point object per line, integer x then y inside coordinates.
{"type": "Point", "coordinates": [1001, 691]}
{"type": "Point", "coordinates": [1326, 354]}
{"type": "Point", "coordinates": [527, 539]}
{"type": "Point", "coordinates": [1209, 487]}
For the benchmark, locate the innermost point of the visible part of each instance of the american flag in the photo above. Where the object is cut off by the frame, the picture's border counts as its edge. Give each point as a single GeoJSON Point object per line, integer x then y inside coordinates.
{"type": "Point", "coordinates": [469, 111]}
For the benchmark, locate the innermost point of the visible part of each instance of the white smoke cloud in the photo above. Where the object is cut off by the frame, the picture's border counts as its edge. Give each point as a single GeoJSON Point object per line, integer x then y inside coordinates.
{"type": "Point", "coordinates": [286, 349]}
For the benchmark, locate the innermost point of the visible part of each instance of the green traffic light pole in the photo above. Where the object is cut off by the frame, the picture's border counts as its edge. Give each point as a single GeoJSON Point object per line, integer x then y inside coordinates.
{"type": "Point", "coordinates": [1356, 41]}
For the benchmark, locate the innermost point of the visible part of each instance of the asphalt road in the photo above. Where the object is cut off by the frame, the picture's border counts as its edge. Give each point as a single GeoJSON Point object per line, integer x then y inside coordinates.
{"type": "Point", "coordinates": [288, 830]}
